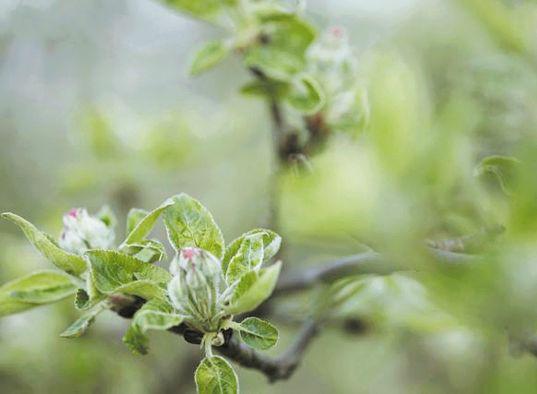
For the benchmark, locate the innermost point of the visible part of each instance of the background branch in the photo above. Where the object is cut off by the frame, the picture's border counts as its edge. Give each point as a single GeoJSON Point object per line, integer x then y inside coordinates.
{"type": "Point", "coordinates": [283, 366]}
{"type": "Point", "coordinates": [369, 262]}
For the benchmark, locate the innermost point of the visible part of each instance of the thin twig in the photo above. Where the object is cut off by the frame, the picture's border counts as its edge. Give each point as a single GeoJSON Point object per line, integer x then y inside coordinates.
{"type": "Point", "coordinates": [283, 366]}
{"type": "Point", "coordinates": [358, 264]}
{"type": "Point", "coordinates": [468, 243]}
{"type": "Point", "coordinates": [280, 150]}
{"type": "Point", "coordinates": [275, 368]}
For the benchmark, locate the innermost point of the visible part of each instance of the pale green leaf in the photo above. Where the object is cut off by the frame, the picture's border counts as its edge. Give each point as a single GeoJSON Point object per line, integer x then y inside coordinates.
{"type": "Point", "coordinates": [189, 223]}
{"type": "Point", "coordinates": [202, 9]}
{"type": "Point", "coordinates": [500, 168]}
{"type": "Point", "coordinates": [145, 224]}
{"type": "Point", "coordinates": [253, 288]}
{"type": "Point", "coordinates": [338, 293]}
{"type": "Point", "coordinates": [145, 289]}
{"type": "Point", "coordinates": [134, 217]}
{"type": "Point", "coordinates": [249, 257]}
{"type": "Point", "coordinates": [208, 56]}
{"type": "Point", "coordinates": [270, 87]}
{"type": "Point", "coordinates": [111, 270]}
{"type": "Point", "coordinates": [38, 288]}
{"type": "Point", "coordinates": [154, 315]}
{"type": "Point", "coordinates": [258, 333]}
{"type": "Point", "coordinates": [148, 250]}
{"type": "Point", "coordinates": [215, 375]}
{"type": "Point", "coordinates": [271, 245]}
{"type": "Point", "coordinates": [306, 95]}
{"type": "Point", "coordinates": [70, 263]}
{"type": "Point", "coordinates": [80, 326]}
{"type": "Point", "coordinates": [283, 54]}
{"type": "Point", "coordinates": [107, 216]}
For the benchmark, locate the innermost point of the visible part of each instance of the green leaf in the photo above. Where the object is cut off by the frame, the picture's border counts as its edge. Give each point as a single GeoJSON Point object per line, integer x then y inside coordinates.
{"type": "Point", "coordinates": [113, 272]}
{"type": "Point", "coordinates": [189, 223]}
{"type": "Point", "coordinates": [208, 56]}
{"type": "Point", "coordinates": [215, 375]}
{"type": "Point", "coordinates": [253, 288]}
{"type": "Point", "coordinates": [202, 9]}
{"type": "Point", "coordinates": [500, 168]}
{"type": "Point", "coordinates": [107, 216]}
{"type": "Point", "coordinates": [82, 299]}
{"type": "Point", "coordinates": [249, 257]}
{"type": "Point", "coordinates": [306, 95]}
{"type": "Point", "coordinates": [145, 224]}
{"type": "Point", "coordinates": [148, 250]}
{"type": "Point", "coordinates": [70, 263]}
{"type": "Point", "coordinates": [154, 315]}
{"type": "Point", "coordinates": [258, 333]}
{"type": "Point", "coordinates": [134, 217]}
{"type": "Point", "coordinates": [338, 293]}
{"type": "Point", "coordinates": [284, 54]}
{"type": "Point", "coordinates": [146, 289]}
{"type": "Point", "coordinates": [271, 245]}
{"type": "Point", "coordinates": [38, 288]}
{"type": "Point", "coordinates": [80, 326]}
{"type": "Point", "coordinates": [270, 88]}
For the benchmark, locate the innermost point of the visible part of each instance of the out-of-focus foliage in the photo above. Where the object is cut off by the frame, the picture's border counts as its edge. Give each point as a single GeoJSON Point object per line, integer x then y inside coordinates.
{"type": "Point", "coordinates": [95, 108]}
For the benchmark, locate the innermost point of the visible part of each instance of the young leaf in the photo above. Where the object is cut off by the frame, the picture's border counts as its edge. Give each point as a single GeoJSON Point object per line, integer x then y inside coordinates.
{"type": "Point", "coordinates": [208, 56]}
{"type": "Point", "coordinates": [70, 263]}
{"type": "Point", "coordinates": [80, 326]}
{"type": "Point", "coordinates": [148, 250]}
{"type": "Point", "coordinates": [202, 9]}
{"type": "Point", "coordinates": [284, 54]}
{"type": "Point", "coordinates": [82, 299]}
{"type": "Point", "coordinates": [269, 88]}
{"type": "Point", "coordinates": [107, 216]}
{"type": "Point", "coordinates": [145, 224]}
{"type": "Point", "coordinates": [134, 217]}
{"type": "Point", "coordinates": [248, 258]}
{"type": "Point", "coordinates": [189, 223]}
{"type": "Point", "coordinates": [38, 288]}
{"type": "Point", "coordinates": [116, 272]}
{"type": "Point", "coordinates": [258, 333]}
{"type": "Point", "coordinates": [271, 245]}
{"type": "Point", "coordinates": [215, 375]}
{"type": "Point", "coordinates": [502, 168]}
{"type": "Point", "coordinates": [253, 288]}
{"type": "Point", "coordinates": [154, 315]}
{"type": "Point", "coordinates": [146, 289]}
{"type": "Point", "coordinates": [338, 293]}
{"type": "Point", "coordinates": [306, 95]}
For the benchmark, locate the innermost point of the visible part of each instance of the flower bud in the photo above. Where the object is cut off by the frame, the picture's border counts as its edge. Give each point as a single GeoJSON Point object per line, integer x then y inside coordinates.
{"type": "Point", "coordinates": [332, 62]}
{"type": "Point", "coordinates": [82, 231]}
{"type": "Point", "coordinates": [196, 286]}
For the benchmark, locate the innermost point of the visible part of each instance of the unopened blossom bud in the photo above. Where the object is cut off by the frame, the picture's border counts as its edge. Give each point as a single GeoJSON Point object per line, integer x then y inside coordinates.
{"type": "Point", "coordinates": [196, 286]}
{"type": "Point", "coordinates": [331, 60]}
{"type": "Point", "coordinates": [82, 231]}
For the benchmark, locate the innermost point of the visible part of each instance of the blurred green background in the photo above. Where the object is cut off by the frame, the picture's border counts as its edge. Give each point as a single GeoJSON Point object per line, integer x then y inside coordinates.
{"type": "Point", "coordinates": [96, 108]}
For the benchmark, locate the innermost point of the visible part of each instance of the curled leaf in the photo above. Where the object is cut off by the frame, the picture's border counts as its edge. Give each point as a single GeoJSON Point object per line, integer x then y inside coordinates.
{"type": "Point", "coordinates": [154, 315]}
{"type": "Point", "coordinates": [80, 326]}
{"type": "Point", "coordinates": [271, 245]}
{"type": "Point", "coordinates": [145, 224]}
{"type": "Point", "coordinates": [253, 288]}
{"type": "Point", "coordinates": [70, 263]}
{"type": "Point", "coordinates": [38, 288]}
{"type": "Point", "coordinates": [208, 56]}
{"type": "Point", "coordinates": [306, 95]}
